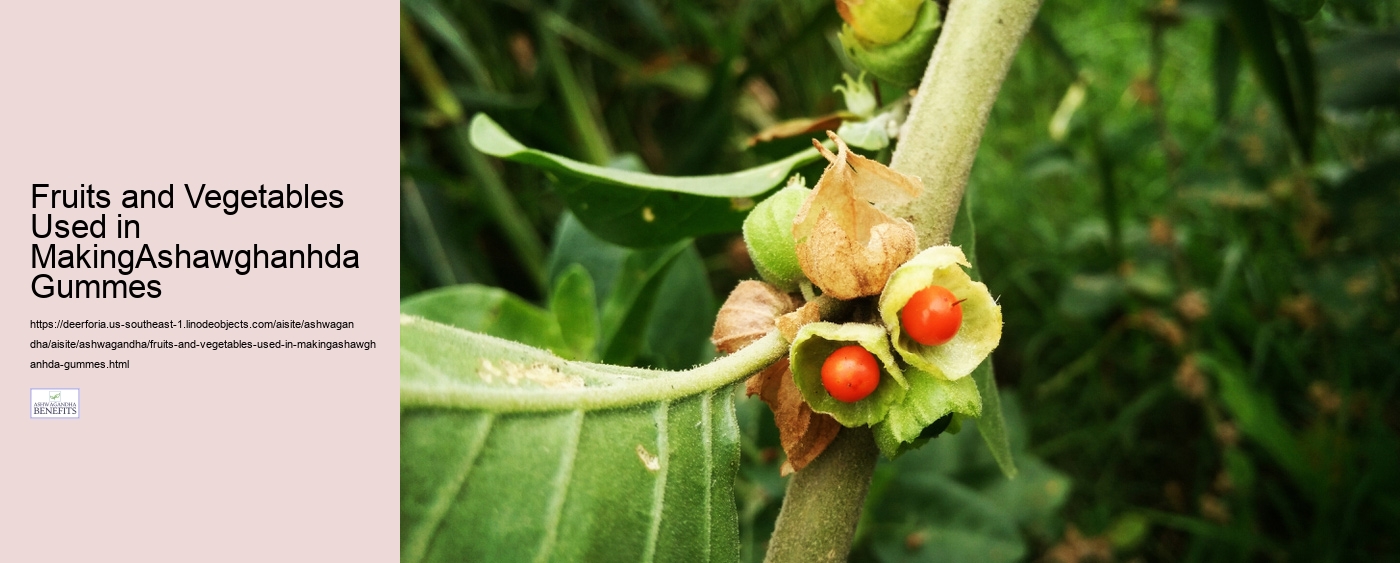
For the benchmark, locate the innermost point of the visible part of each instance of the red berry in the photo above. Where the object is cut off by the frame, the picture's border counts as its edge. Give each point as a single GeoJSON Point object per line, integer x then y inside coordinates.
{"type": "Point", "coordinates": [850, 374]}
{"type": "Point", "coordinates": [932, 316]}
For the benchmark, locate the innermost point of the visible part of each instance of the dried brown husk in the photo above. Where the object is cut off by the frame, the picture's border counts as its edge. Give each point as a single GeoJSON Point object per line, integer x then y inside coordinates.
{"type": "Point", "coordinates": [748, 313]}
{"type": "Point", "coordinates": [804, 434]}
{"type": "Point", "coordinates": [790, 323]}
{"type": "Point", "coordinates": [801, 126]}
{"type": "Point", "coordinates": [845, 245]}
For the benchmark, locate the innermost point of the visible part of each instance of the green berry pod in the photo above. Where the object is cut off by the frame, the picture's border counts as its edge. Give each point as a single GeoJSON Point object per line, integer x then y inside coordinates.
{"type": "Point", "coordinates": [980, 331]}
{"type": "Point", "coordinates": [768, 234]}
{"type": "Point", "coordinates": [815, 342]}
{"type": "Point", "coordinates": [902, 62]}
{"type": "Point", "coordinates": [928, 399]}
{"type": "Point", "coordinates": [879, 22]}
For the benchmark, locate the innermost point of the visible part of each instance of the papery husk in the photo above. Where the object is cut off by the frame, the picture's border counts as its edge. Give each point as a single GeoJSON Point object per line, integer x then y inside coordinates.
{"type": "Point", "coordinates": [845, 245]}
{"type": "Point", "coordinates": [804, 434]}
{"type": "Point", "coordinates": [748, 313]}
{"type": "Point", "coordinates": [790, 323]}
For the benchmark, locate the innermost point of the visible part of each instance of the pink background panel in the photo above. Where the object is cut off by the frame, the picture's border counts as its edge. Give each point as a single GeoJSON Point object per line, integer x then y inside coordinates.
{"type": "Point", "coordinates": [200, 455]}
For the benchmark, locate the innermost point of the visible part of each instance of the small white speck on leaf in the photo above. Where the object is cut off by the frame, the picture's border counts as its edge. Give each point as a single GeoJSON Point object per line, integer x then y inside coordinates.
{"type": "Point", "coordinates": [651, 462]}
{"type": "Point", "coordinates": [647, 215]}
{"type": "Point", "coordinates": [538, 373]}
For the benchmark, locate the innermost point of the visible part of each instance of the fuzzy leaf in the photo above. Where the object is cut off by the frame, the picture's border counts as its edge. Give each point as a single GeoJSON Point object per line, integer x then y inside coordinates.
{"type": "Point", "coordinates": [576, 310]}
{"type": "Point", "coordinates": [637, 209]}
{"type": "Point", "coordinates": [509, 453]}
{"type": "Point", "coordinates": [992, 424]}
{"type": "Point", "coordinates": [489, 310]}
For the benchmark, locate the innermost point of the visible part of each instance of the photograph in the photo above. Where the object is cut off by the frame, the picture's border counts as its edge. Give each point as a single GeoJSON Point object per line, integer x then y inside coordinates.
{"type": "Point", "coordinates": [899, 280]}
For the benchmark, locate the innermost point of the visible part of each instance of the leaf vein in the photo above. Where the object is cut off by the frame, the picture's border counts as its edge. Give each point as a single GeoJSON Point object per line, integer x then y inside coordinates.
{"type": "Point", "coordinates": [707, 439]}
{"type": "Point", "coordinates": [428, 530]}
{"type": "Point", "coordinates": [562, 478]}
{"type": "Point", "coordinates": [659, 489]}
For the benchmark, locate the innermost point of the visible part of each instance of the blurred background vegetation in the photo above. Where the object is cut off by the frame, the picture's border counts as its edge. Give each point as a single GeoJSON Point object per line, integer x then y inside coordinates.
{"type": "Point", "coordinates": [1188, 210]}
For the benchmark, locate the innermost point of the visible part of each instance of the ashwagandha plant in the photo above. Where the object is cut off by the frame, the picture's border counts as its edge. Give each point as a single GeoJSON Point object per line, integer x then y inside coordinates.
{"type": "Point", "coordinates": [869, 336]}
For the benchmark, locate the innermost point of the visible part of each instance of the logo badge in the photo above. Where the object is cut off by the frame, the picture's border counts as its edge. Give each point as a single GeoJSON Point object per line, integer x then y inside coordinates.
{"type": "Point", "coordinates": [53, 403]}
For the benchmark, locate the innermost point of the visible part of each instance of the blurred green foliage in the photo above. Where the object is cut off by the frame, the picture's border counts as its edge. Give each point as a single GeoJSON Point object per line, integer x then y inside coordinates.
{"type": "Point", "coordinates": [1188, 211]}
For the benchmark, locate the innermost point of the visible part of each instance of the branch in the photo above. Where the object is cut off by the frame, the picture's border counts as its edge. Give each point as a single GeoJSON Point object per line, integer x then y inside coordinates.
{"type": "Point", "coordinates": [824, 500]}
{"type": "Point", "coordinates": [939, 144]}
{"type": "Point", "coordinates": [940, 139]}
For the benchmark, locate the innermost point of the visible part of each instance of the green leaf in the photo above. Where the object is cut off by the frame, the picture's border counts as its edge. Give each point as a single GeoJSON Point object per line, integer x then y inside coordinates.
{"type": "Point", "coordinates": [628, 308]}
{"type": "Point", "coordinates": [946, 501]}
{"type": "Point", "coordinates": [1301, 9]}
{"type": "Point", "coordinates": [627, 282]}
{"type": "Point", "coordinates": [1258, 418]}
{"type": "Point", "coordinates": [1225, 66]}
{"type": "Point", "coordinates": [682, 315]}
{"type": "Point", "coordinates": [489, 310]}
{"type": "Point", "coordinates": [642, 210]}
{"type": "Point", "coordinates": [1360, 71]}
{"type": "Point", "coordinates": [951, 520]}
{"type": "Point", "coordinates": [1290, 81]}
{"type": "Point", "coordinates": [991, 424]}
{"type": "Point", "coordinates": [573, 244]}
{"type": "Point", "coordinates": [575, 308]}
{"type": "Point", "coordinates": [509, 453]}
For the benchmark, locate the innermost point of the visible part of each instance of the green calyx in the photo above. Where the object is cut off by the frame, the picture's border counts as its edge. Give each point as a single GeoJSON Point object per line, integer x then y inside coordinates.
{"type": "Point", "coordinates": [981, 324]}
{"type": "Point", "coordinates": [860, 99]}
{"type": "Point", "coordinates": [929, 399]}
{"type": "Point", "coordinates": [768, 234]}
{"type": "Point", "coordinates": [810, 349]}
{"type": "Point", "coordinates": [901, 62]}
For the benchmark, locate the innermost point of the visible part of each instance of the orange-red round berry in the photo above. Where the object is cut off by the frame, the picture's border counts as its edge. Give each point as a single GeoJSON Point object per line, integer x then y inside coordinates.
{"type": "Point", "coordinates": [850, 374]}
{"type": "Point", "coordinates": [932, 316]}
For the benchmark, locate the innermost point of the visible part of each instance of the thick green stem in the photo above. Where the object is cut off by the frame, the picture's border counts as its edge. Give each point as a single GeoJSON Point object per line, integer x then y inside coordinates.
{"type": "Point", "coordinates": [824, 501]}
{"type": "Point", "coordinates": [940, 139]}
{"type": "Point", "coordinates": [939, 144]}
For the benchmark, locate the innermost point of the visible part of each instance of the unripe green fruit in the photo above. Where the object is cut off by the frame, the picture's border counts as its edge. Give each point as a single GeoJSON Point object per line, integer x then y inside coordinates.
{"type": "Point", "coordinates": [879, 22]}
{"type": "Point", "coordinates": [901, 62]}
{"type": "Point", "coordinates": [768, 234]}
